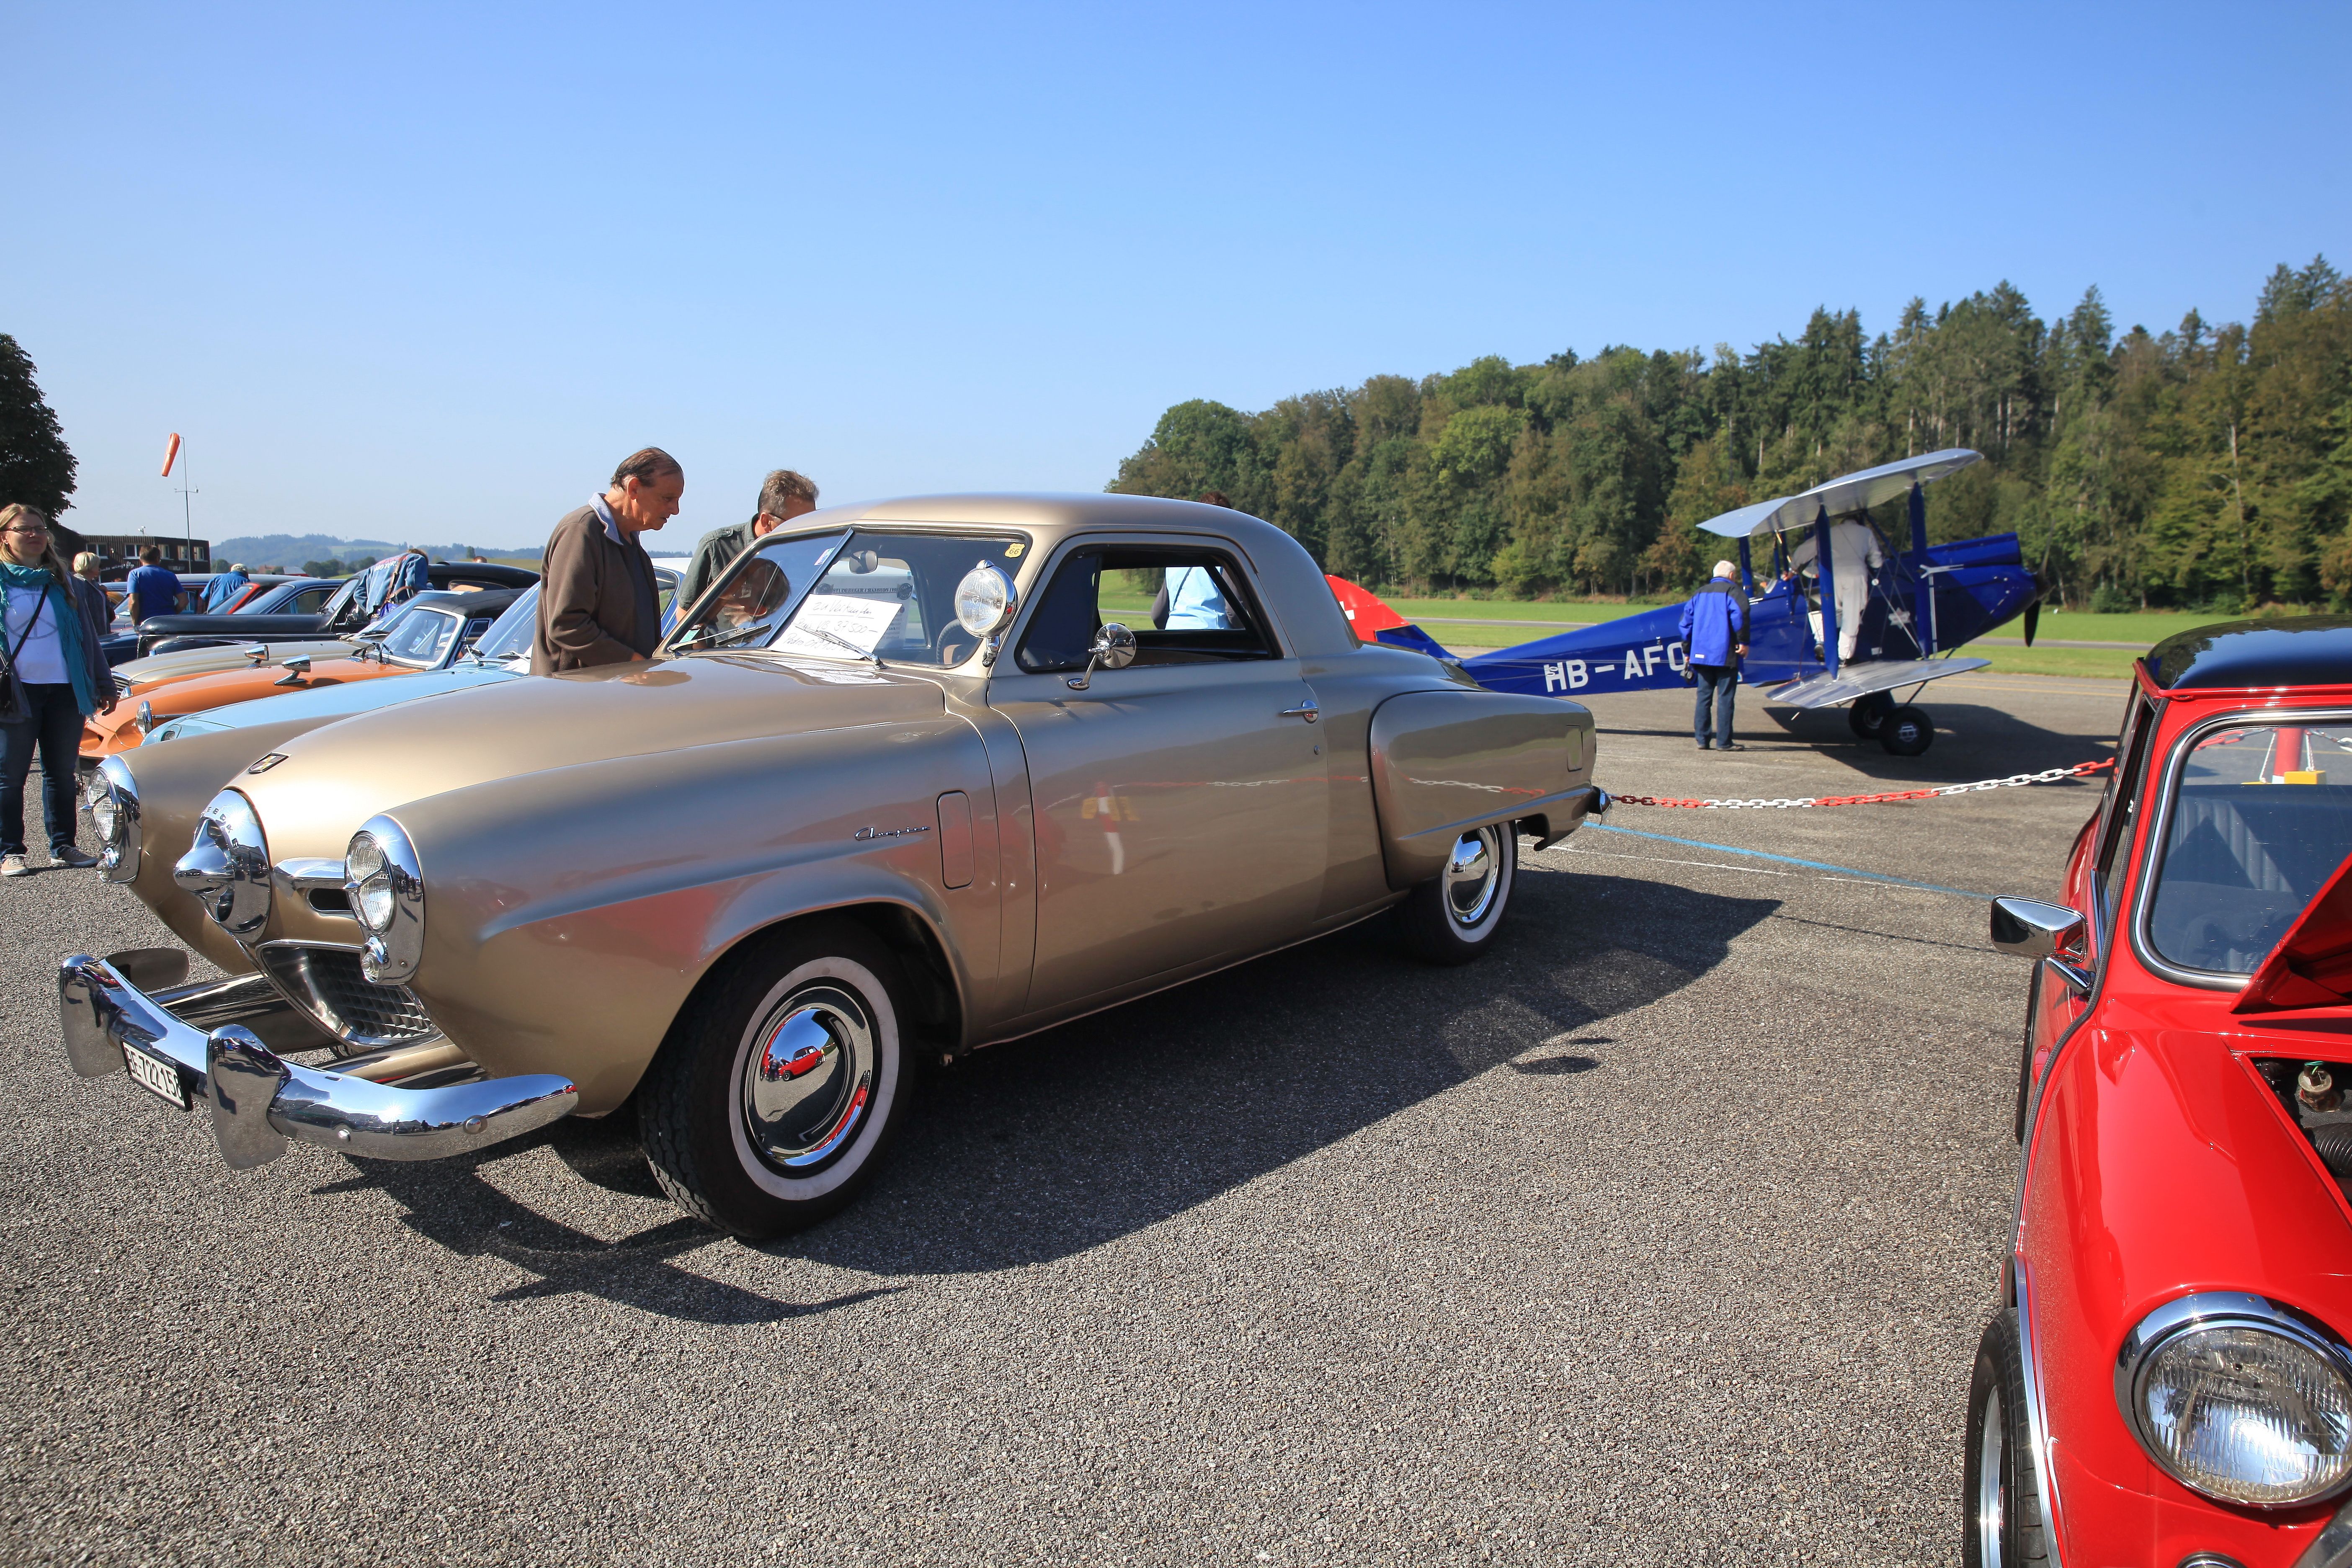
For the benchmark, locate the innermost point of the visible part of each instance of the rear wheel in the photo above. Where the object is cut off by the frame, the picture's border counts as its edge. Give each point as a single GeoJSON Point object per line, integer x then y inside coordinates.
{"type": "Point", "coordinates": [1452, 918]}
{"type": "Point", "coordinates": [1907, 731]}
{"type": "Point", "coordinates": [773, 1099]}
{"type": "Point", "coordinates": [2001, 1497]}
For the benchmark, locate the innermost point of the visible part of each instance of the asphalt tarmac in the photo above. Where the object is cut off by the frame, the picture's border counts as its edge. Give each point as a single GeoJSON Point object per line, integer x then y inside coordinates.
{"type": "Point", "coordinates": [1663, 1234]}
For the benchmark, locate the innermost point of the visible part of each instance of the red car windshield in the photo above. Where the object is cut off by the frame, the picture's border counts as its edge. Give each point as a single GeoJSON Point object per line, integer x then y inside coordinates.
{"type": "Point", "coordinates": [2260, 819]}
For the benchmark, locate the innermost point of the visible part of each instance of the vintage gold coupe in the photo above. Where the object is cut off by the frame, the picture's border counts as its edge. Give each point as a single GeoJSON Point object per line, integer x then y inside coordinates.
{"type": "Point", "coordinates": [897, 787]}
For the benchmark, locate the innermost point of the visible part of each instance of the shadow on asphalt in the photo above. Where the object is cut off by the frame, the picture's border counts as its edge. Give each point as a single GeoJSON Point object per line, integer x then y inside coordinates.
{"type": "Point", "coordinates": [1972, 742]}
{"type": "Point", "coordinates": [1045, 1147]}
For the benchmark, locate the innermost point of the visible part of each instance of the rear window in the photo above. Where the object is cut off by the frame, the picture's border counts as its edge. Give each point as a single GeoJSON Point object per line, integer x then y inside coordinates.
{"type": "Point", "coordinates": [2260, 819]}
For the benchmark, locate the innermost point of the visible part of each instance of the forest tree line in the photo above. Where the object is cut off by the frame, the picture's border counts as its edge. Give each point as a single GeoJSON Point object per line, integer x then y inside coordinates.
{"type": "Point", "coordinates": [2207, 466]}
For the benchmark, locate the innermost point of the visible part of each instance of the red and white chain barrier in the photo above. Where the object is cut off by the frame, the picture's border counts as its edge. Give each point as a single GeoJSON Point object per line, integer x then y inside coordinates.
{"type": "Point", "coordinates": [2047, 776]}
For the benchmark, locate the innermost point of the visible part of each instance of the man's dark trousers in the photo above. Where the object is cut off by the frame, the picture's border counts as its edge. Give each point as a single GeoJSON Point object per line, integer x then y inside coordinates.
{"type": "Point", "coordinates": [1717, 685]}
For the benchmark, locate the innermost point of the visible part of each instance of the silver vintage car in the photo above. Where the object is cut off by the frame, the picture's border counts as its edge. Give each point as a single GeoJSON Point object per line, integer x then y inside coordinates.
{"type": "Point", "coordinates": [906, 781]}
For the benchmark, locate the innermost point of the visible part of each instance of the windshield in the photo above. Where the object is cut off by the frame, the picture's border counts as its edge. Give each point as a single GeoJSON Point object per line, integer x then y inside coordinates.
{"type": "Point", "coordinates": [511, 634]}
{"type": "Point", "coordinates": [422, 636]}
{"type": "Point", "coordinates": [2261, 818]}
{"type": "Point", "coordinates": [335, 606]}
{"type": "Point", "coordinates": [758, 590]}
{"type": "Point", "coordinates": [891, 597]}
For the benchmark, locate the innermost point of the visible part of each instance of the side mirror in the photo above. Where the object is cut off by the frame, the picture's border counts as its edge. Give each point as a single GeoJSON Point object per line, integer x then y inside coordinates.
{"type": "Point", "coordinates": [298, 671]}
{"type": "Point", "coordinates": [1114, 649]}
{"type": "Point", "coordinates": [2047, 933]}
{"type": "Point", "coordinates": [2034, 929]}
{"type": "Point", "coordinates": [257, 652]}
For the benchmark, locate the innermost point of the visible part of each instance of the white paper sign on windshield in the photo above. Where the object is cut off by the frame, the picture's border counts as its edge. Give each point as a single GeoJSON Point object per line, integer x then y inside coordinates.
{"type": "Point", "coordinates": [861, 622]}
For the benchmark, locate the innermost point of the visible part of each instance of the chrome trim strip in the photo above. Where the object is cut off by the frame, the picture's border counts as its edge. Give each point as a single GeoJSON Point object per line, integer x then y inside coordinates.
{"type": "Point", "coordinates": [2332, 1548]}
{"type": "Point", "coordinates": [2037, 1427]}
{"type": "Point", "coordinates": [2152, 868]}
{"type": "Point", "coordinates": [100, 1012]}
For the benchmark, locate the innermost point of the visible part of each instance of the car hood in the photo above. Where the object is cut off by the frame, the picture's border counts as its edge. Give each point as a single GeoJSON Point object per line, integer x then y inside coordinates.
{"type": "Point", "coordinates": [219, 687]}
{"type": "Point", "coordinates": [335, 778]}
{"type": "Point", "coordinates": [161, 667]}
{"type": "Point", "coordinates": [328, 704]}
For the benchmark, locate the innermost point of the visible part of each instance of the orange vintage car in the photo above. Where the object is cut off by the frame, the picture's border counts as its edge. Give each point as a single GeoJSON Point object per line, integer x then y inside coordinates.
{"type": "Point", "coordinates": [431, 632]}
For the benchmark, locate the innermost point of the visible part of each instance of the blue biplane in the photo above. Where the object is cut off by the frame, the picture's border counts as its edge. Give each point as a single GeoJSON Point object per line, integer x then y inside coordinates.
{"type": "Point", "coordinates": [1920, 605]}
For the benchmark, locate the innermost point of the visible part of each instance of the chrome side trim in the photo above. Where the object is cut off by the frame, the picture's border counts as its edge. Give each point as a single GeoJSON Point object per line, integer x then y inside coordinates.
{"type": "Point", "coordinates": [2333, 1546]}
{"type": "Point", "coordinates": [2037, 1427]}
{"type": "Point", "coordinates": [259, 1100]}
{"type": "Point", "coordinates": [2152, 871]}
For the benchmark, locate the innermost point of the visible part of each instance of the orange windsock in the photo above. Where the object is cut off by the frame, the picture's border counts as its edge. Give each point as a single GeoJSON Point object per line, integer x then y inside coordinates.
{"type": "Point", "coordinates": [171, 453]}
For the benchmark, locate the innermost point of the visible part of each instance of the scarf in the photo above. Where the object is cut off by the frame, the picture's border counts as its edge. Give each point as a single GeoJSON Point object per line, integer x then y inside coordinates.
{"type": "Point", "coordinates": [67, 615]}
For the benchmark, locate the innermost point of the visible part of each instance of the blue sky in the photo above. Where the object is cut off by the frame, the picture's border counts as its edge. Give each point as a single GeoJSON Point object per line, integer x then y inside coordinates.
{"type": "Point", "coordinates": [428, 272]}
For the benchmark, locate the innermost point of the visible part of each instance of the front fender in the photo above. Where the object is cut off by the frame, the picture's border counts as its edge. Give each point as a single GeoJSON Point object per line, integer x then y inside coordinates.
{"type": "Point", "coordinates": [570, 914]}
{"type": "Point", "coordinates": [2161, 1166]}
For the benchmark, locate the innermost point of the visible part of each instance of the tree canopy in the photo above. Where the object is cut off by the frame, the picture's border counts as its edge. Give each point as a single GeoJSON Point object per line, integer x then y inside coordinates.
{"type": "Point", "coordinates": [34, 466]}
{"type": "Point", "coordinates": [2204, 466]}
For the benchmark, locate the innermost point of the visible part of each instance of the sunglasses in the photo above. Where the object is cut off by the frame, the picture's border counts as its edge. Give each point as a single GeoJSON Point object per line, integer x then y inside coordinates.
{"type": "Point", "coordinates": [30, 528]}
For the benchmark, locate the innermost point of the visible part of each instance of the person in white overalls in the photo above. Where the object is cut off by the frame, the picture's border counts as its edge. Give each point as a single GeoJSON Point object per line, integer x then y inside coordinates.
{"type": "Point", "coordinates": [1855, 554]}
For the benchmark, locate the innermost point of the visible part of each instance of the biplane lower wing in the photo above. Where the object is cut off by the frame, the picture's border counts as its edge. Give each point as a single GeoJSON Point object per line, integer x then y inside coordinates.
{"type": "Point", "coordinates": [1861, 679]}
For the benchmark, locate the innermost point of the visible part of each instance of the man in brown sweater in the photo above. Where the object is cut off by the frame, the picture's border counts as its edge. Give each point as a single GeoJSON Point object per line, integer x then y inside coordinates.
{"type": "Point", "coordinates": [598, 603]}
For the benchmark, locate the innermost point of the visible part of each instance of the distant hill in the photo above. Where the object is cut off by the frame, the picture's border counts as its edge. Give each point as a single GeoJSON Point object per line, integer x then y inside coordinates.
{"type": "Point", "coordinates": [290, 551]}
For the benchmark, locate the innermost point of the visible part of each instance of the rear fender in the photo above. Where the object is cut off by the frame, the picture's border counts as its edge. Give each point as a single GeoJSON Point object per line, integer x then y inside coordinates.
{"type": "Point", "coordinates": [1445, 762]}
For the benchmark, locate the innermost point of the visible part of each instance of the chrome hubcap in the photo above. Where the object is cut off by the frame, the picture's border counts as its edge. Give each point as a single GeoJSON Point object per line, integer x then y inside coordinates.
{"type": "Point", "coordinates": [809, 1077]}
{"type": "Point", "coordinates": [1992, 1498]}
{"type": "Point", "coordinates": [1474, 875]}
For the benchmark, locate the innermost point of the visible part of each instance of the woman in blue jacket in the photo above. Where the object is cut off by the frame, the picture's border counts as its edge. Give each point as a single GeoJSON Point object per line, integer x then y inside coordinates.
{"type": "Point", "coordinates": [52, 624]}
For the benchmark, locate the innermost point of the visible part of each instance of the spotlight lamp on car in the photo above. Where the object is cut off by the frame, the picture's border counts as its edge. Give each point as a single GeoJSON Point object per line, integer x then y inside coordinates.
{"type": "Point", "coordinates": [385, 884]}
{"type": "Point", "coordinates": [985, 603]}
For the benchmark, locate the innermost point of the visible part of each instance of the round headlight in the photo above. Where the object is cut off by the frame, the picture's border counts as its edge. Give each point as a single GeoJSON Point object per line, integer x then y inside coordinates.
{"type": "Point", "coordinates": [984, 600]}
{"type": "Point", "coordinates": [114, 806]}
{"type": "Point", "coordinates": [385, 884]}
{"type": "Point", "coordinates": [2241, 1398]}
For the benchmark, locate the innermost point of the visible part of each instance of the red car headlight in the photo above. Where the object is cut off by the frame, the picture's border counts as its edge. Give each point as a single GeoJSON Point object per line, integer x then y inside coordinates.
{"type": "Point", "coordinates": [2244, 1399]}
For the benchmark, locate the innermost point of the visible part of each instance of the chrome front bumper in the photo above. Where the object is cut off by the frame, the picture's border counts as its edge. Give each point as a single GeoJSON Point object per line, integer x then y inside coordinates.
{"type": "Point", "coordinates": [258, 1099]}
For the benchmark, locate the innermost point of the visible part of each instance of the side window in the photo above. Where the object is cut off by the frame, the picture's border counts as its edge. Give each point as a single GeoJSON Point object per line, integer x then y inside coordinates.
{"type": "Point", "coordinates": [1185, 606]}
{"type": "Point", "coordinates": [310, 601]}
{"type": "Point", "coordinates": [2122, 813]}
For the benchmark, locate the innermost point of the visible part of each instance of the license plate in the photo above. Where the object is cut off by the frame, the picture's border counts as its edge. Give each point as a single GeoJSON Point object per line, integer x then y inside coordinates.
{"type": "Point", "coordinates": [154, 1073]}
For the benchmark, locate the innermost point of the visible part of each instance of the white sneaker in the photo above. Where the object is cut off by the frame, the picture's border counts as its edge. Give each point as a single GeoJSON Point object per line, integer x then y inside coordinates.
{"type": "Point", "coordinates": [14, 866]}
{"type": "Point", "coordinates": [72, 855]}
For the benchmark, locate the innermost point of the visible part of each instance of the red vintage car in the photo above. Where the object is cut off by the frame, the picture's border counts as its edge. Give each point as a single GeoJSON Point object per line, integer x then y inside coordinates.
{"type": "Point", "coordinates": [2169, 1381]}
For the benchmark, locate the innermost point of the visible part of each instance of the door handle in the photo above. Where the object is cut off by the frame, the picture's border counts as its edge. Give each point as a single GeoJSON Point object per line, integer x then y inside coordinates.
{"type": "Point", "coordinates": [1308, 711]}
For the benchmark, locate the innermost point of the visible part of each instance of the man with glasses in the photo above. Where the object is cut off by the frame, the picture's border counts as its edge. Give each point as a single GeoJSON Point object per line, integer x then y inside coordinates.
{"type": "Point", "coordinates": [785, 495]}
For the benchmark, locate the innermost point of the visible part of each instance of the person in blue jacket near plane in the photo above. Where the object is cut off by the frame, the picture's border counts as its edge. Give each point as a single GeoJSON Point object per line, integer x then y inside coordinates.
{"type": "Point", "coordinates": [1715, 637]}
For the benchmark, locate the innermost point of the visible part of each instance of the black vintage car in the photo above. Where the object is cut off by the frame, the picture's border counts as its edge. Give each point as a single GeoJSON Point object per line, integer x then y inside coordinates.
{"type": "Point", "coordinates": [350, 608]}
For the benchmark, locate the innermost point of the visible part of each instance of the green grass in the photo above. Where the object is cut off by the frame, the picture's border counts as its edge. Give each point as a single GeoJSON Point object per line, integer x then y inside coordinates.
{"type": "Point", "coordinates": [2112, 662]}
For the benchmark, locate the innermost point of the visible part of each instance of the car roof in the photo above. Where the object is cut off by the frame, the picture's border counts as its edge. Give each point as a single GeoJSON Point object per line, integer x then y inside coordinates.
{"type": "Point", "coordinates": [488, 573]}
{"type": "Point", "coordinates": [2298, 651]}
{"type": "Point", "coordinates": [481, 601]}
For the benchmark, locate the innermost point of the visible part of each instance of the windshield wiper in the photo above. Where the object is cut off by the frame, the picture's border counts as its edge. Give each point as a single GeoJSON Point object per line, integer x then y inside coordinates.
{"type": "Point", "coordinates": [726, 639]}
{"type": "Point", "coordinates": [855, 650]}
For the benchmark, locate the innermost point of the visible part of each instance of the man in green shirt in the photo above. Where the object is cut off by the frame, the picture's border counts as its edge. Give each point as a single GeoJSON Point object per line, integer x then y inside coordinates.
{"type": "Point", "coordinates": [785, 495]}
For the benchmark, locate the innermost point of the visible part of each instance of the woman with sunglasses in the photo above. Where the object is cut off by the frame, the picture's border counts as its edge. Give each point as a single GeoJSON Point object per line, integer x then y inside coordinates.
{"type": "Point", "coordinates": [52, 624]}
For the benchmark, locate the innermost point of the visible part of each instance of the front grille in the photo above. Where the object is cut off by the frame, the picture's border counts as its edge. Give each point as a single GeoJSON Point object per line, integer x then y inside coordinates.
{"type": "Point", "coordinates": [123, 684]}
{"type": "Point", "coordinates": [326, 983]}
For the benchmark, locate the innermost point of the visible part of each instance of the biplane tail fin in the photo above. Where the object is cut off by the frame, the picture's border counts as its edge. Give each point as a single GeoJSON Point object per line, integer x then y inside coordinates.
{"type": "Point", "coordinates": [1375, 622]}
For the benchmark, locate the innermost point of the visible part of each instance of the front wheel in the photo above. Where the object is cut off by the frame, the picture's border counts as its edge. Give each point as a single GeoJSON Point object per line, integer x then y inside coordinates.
{"type": "Point", "coordinates": [1907, 731]}
{"type": "Point", "coordinates": [775, 1096]}
{"type": "Point", "coordinates": [2001, 1497]}
{"type": "Point", "coordinates": [1452, 918]}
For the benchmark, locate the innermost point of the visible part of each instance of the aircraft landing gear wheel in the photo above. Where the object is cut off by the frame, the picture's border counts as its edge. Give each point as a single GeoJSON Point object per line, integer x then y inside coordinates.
{"type": "Point", "coordinates": [1866, 716]}
{"type": "Point", "coordinates": [1906, 731]}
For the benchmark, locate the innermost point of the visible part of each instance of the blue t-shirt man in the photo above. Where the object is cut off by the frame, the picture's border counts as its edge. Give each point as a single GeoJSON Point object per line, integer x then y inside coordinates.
{"type": "Point", "coordinates": [154, 591]}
